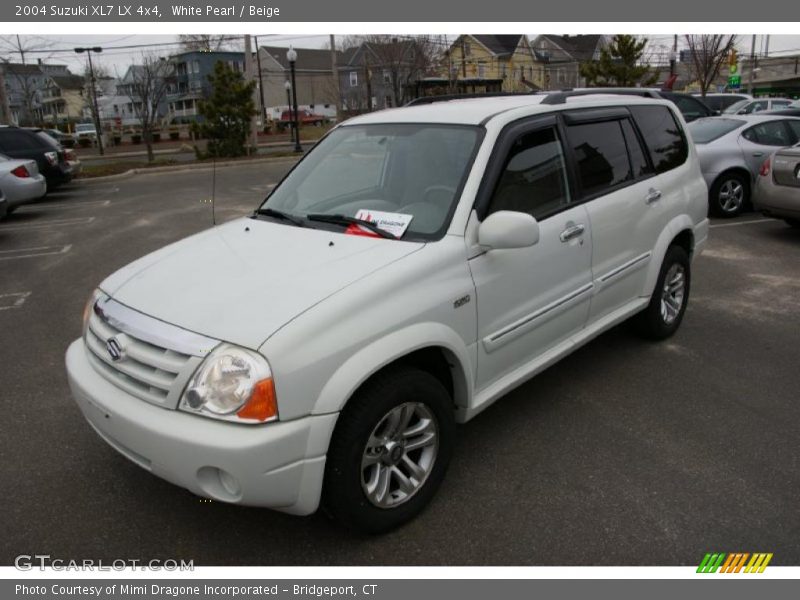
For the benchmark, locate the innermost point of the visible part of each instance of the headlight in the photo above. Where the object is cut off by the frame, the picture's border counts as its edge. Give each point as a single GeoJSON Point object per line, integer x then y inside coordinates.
{"type": "Point", "coordinates": [87, 310]}
{"type": "Point", "coordinates": [232, 384]}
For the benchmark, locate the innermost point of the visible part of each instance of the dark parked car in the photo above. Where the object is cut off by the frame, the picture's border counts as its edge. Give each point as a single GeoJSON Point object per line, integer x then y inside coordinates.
{"type": "Point", "coordinates": [3, 205]}
{"type": "Point", "coordinates": [50, 157]}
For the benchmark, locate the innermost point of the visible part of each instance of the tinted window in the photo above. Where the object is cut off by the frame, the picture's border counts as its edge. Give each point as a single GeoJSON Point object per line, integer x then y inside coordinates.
{"type": "Point", "coordinates": [771, 133]}
{"type": "Point", "coordinates": [794, 126]}
{"type": "Point", "coordinates": [662, 135]}
{"type": "Point", "coordinates": [47, 139]}
{"type": "Point", "coordinates": [639, 163]}
{"type": "Point", "coordinates": [13, 139]}
{"type": "Point", "coordinates": [601, 155]}
{"type": "Point", "coordinates": [690, 107]}
{"type": "Point", "coordinates": [534, 177]}
{"type": "Point", "coordinates": [708, 130]}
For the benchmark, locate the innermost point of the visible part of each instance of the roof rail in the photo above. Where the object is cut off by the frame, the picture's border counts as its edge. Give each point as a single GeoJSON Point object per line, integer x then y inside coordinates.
{"type": "Point", "coordinates": [561, 97]}
{"type": "Point", "coordinates": [446, 97]}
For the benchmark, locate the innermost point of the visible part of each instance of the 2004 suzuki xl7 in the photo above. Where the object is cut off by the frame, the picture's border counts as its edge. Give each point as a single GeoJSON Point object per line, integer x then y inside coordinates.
{"type": "Point", "coordinates": [414, 267]}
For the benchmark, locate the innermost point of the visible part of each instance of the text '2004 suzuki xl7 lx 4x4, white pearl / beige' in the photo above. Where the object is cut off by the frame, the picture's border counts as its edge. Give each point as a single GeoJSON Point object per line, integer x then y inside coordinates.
{"type": "Point", "coordinates": [411, 269]}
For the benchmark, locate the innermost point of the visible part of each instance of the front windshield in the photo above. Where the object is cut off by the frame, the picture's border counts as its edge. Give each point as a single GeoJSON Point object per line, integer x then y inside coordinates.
{"type": "Point", "coordinates": [409, 169]}
{"type": "Point", "coordinates": [704, 131]}
{"type": "Point", "coordinates": [736, 107]}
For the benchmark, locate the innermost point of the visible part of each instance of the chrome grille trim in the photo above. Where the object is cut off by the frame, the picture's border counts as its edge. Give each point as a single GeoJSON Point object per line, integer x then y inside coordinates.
{"type": "Point", "coordinates": [152, 372]}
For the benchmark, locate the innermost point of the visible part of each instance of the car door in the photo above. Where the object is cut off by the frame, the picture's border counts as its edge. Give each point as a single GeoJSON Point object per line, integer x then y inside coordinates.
{"type": "Point", "coordinates": [531, 299]}
{"type": "Point", "coordinates": [623, 195]}
{"type": "Point", "coordinates": [760, 140]}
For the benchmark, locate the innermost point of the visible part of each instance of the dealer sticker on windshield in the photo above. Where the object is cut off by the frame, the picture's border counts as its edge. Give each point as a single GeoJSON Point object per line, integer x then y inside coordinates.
{"type": "Point", "coordinates": [394, 223]}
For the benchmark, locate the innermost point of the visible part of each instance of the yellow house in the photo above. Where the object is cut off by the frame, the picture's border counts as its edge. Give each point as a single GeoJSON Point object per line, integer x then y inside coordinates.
{"type": "Point", "coordinates": [494, 63]}
{"type": "Point", "coordinates": [63, 100]}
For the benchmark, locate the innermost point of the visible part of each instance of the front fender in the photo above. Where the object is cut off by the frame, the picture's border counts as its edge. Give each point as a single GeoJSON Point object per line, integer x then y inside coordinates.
{"type": "Point", "coordinates": [341, 386]}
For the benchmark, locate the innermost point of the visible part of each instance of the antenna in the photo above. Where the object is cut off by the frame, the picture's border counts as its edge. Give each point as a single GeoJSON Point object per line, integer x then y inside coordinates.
{"type": "Point", "coordinates": [213, 189]}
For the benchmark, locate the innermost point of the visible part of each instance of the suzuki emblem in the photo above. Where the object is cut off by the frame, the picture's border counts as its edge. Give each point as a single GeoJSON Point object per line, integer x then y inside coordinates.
{"type": "Point", "coordinates": [114, 349]}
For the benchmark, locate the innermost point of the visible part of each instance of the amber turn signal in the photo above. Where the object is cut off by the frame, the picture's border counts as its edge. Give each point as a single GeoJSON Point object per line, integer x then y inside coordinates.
{"type": "Point", "coordinates": [262, 404]}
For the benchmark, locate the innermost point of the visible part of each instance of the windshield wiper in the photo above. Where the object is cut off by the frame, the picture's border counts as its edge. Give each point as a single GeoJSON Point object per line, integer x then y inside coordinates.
{"type": "Point", "coordinates": [345, 220]}
{"type": "Point", "coordinates": [271, 212]}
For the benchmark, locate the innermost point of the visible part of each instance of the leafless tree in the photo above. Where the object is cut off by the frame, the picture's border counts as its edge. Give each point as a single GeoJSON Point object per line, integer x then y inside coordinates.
{"type": "Point", "coordinates": [147, 89]}
{"type": "Point", "coordinates": [396, 60]}
{"type": "Point", "coordinates": [205, 42]}
{"type": "Point", "coordinates": [708, 53]}
{"type": "Point", "coordinates": [18, 66]}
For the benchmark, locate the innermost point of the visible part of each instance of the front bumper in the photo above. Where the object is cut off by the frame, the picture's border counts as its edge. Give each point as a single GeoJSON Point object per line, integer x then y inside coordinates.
{"type": "Point", "coordinates": [276, 465]}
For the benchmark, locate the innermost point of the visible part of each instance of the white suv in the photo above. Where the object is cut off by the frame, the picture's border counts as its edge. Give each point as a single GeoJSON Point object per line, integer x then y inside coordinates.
{"type": "Point", "coordinates": [414, 267]}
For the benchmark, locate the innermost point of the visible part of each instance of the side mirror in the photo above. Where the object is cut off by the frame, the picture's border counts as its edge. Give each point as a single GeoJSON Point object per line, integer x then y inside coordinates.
{"type": "Point", "coordinates": [508, 229]}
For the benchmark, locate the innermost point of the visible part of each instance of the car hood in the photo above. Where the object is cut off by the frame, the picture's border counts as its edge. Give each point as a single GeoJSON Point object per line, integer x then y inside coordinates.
{"type": "Point", "coordinates": [242, 281]}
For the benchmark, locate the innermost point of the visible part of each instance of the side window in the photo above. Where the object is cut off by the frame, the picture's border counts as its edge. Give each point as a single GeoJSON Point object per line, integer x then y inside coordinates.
{"type": "Point", "coordinates": [690, 108]}
{"type": "Point", "coordinates": [663, 135]}
{"type": "Point", "coordinates": [534, 178]}
{"type": "Point", "coordinates": [794, 127]}
{"type": "Point", "coordinates": [757, 106]}
{"type": "Point", "coordinates": [639, 165]}
{"type": "Point", "coordinates": [771, 133]}
{"type": "Point", "coordinates": [18, 140]}
{"type": "Point", "coordinates": [601, 155]}
{"type": "Point", "coordinates": [780, 103]}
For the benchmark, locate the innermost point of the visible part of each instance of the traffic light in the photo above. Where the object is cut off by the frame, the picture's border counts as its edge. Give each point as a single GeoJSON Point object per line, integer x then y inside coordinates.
{"type": "Point", "coordinates": [733, 61]}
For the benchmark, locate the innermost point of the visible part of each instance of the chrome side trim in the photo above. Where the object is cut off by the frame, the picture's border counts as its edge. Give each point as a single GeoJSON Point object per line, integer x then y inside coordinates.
{"type": "Point", "coordinates": [152, 330]}
{"type": "Point", "coordinates": [511, 332]}
{"type": "Point", "coordinates": [624, 267]}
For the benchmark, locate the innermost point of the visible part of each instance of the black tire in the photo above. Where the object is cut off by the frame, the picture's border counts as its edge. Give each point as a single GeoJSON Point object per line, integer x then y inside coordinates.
{"type": "Point", "coordinates": [793, 223]}
{"type": "Point", "coordinates": [652, 322]}
{"type": "Point", "coordinates": [344, 497]}
{"type": "Point", "coordinates": [720, 197]}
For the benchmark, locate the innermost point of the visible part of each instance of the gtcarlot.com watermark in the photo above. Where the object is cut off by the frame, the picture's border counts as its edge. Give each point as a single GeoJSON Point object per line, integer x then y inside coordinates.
{"type": "Point", "coordinates": [29, 562]}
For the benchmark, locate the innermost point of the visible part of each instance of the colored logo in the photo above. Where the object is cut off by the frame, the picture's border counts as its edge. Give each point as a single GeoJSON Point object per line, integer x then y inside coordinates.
{"type": "Point", "coordinates": [735, 562]}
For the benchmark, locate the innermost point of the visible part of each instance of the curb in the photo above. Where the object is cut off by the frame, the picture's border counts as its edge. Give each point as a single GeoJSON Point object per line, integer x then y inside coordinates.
{"type": "Point", "coordinates": [178, 168]}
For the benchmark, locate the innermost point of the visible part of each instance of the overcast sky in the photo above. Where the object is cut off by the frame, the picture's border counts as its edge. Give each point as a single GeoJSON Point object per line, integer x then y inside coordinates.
{"type": "Point", "coordinates": [116, 58]}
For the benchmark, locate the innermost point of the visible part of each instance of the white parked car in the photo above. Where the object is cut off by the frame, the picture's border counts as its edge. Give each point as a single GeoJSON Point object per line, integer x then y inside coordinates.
{"type": "Point", "coordinates": [21, 181]}
{"type": "Point", "coordinates": [410, 270]}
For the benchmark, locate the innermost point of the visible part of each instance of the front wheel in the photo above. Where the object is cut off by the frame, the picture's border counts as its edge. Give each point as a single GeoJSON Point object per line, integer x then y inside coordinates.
{"type": "Point", "coordinates": [390, 450]}
{"type": "Point", "coordinates": [729, 195]}
{"type": "Point", "coordinates": [664, 313]}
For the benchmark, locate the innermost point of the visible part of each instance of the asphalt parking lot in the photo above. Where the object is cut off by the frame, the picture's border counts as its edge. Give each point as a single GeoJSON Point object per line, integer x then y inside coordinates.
{"type": "Point", "coordinates": [626, 452]}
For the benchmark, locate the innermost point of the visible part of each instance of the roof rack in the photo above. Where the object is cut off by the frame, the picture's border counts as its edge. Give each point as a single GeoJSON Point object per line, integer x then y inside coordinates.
{"type": "Point", "coordinates": [446, 97]}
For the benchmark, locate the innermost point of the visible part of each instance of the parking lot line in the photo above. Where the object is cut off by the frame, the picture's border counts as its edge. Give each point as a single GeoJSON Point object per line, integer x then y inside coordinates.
{"type": "Point", "coordinates": [751, 222]}
{"type": "Point", "coordinates": [13, 300]}
{"type": "Point", "coordinates": [32, 252]}
{"type": "Point", "coordinates": [51, 223]}
{"type": "Point", "coordinates": [66, 204]}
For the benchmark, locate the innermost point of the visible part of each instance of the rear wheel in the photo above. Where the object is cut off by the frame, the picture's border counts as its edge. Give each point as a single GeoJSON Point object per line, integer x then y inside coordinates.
{"type": "Point", "coordinates": [390, 450]}
{"type": "Point", "coordinates": [729, 195]}
{"type": "Point", "coordinates": [664, 313]}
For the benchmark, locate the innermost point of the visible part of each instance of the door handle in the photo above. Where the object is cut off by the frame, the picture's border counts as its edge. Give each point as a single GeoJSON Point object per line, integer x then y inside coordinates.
{"type": "Point", "coordinates": [571, 232]}
{"type": "Point", "coordinates": [757, 154]}
{"type": "Point", "coordinates": [653, 195]}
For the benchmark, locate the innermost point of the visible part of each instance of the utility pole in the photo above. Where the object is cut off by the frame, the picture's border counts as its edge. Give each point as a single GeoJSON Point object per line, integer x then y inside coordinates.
{"type": "Point", "coordinates": [261, 86]}
{"type": "Point", "coordinates": [336, 84]}
{"type": "Point", "coordinates": [5, 109]}
{"type": "Point", "coordinates": [367, 78]}
{"type": "Point", "coordinates": [751, 75]}
{"type": "Point", "coordinates": [248, 76]}
{"type": "Point", "coordinates": [674, 57]}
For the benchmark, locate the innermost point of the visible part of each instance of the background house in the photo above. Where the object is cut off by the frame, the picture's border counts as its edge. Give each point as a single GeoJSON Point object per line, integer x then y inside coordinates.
{"type": "Point", "coordinates": [190, 82]}
{"type": "Point", "coordinates": [562, 55]}
{"type": "Point", "coordinates": [63, 100]}
{"type": "Point", "coordinates": [316, 87]}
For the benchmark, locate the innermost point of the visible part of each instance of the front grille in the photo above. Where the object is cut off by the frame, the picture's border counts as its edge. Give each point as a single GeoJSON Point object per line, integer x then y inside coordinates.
{"type": "Point", "coordinates": [145, 370]}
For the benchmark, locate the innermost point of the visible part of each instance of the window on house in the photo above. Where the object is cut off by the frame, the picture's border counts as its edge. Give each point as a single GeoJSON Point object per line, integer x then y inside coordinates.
{"type": "Point", "coordinates": [353, 78]}
{"type": "Point", "coordinates": [388, 102]}
{"type": "Point", "coordinates": [481, 70]}
{"type": "Point", "coordinates": [467, 49]}
{"type": "Point", "coordinates": [387, 76]}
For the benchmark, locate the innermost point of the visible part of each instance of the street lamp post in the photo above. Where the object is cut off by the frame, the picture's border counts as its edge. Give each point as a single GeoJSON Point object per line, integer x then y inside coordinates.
{"type": "Point", "coordinates": [291, 56]}
{"type": "Point", "coordinates": [96, 111]}
{"type": "Point", "coordinates": [287, 85]}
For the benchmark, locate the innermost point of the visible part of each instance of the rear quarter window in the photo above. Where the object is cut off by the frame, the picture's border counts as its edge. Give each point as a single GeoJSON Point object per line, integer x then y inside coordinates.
{"type": "Point", "coordinates": [663, 135]}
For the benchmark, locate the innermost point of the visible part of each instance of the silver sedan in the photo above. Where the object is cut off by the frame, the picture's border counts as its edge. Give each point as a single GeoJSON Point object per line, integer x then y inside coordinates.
{"type": "Point", "coordinates": [777, 192]}
{"type": "Point", "coordinates": [20, 181]}
{"type": "Point", "coordinates": [731, 151]}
